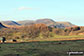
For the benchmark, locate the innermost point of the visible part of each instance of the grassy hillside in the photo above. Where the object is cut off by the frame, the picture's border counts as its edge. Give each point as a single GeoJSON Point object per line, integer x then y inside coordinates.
{"type": "Point", "coordinates": [41, 32]}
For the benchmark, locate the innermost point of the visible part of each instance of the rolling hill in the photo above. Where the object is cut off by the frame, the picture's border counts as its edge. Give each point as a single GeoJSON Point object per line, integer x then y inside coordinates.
{"type": "Point", "coordinates": [48, 22]}
{"type": "Point", "coordinates": [2, 26]}
{"type": "Point", "coordinates": [10, 23]}
{"type": "Point", "coordinates": [26, 22]}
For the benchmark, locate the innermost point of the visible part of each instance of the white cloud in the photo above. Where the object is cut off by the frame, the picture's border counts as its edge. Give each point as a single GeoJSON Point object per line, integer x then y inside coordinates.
{"type": "Point", "coordinates": [25, 8]}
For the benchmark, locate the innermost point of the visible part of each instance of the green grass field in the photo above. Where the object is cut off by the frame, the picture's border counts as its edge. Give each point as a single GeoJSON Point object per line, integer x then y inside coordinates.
{"type": "Point", "coordinates": [42, 48]}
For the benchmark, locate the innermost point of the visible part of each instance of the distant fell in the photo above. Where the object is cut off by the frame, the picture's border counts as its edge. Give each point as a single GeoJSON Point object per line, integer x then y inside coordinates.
{"type": "Point", "coordinates": [45, 21]}
{"type": "Point", "coordinates": [48, 22]}
{"type": "Point", "coordinates": [10, 23]}
{"type": "Point", "coordinates": [26, 22]}
{"type": "Point", "coordinates": [2, 26]}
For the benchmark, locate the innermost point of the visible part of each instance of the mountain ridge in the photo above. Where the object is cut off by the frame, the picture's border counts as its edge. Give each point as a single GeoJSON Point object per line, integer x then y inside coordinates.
{"type": "Point", "coordinates": [48, 22]}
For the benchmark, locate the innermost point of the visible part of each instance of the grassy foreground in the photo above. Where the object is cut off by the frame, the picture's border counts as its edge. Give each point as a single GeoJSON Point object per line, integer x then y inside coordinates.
{"type": "Point", "coordinates": [42, 48]}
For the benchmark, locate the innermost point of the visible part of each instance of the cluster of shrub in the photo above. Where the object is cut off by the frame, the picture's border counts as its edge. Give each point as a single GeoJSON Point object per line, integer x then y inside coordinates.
{"type": "Point", "coordinates": [36, 31]}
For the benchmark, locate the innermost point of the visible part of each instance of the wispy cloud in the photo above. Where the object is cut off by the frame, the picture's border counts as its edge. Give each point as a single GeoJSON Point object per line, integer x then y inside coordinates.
{"type": "Point", "coordinates": [25, 8]}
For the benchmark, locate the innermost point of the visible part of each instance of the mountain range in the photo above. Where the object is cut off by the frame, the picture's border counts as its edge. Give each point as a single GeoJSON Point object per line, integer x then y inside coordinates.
{"type": "Point", "coordinates": [48, 22]}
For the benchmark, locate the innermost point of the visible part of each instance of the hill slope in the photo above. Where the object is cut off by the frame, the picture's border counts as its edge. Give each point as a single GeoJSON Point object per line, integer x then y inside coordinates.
{"type": "Point", "coordinates": [26, 22]}
{"type": "Point", "coordinates": [10, 23]}
{"type": "Point", "coordinates": [48, 22]}
{"type": "Point", "coordinates": [2, 26]}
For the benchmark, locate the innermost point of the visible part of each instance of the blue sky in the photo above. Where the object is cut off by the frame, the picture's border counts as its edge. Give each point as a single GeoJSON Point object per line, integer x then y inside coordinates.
{"type": "Point", "coordinates": [58, 10]}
